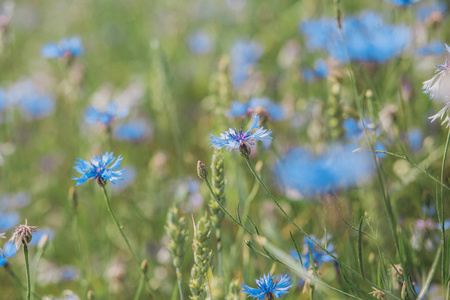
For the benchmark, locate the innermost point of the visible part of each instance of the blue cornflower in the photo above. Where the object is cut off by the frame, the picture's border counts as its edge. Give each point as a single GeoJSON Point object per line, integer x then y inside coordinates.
{"type": "Point", "coordinates": [402, 2]}
{"type": "Point", "coordinates": [37, 105]}
{"type": "Point", "coordinates": [415, 138]}
{"type": "Point", "coordinates": [238, 109]}
{"type": "Point", "coordinates": [269, 288]}
{"type": "Point", "coordinates": [133, 131]}
{"type": "Point", "coordinates": [300, 173]}
{"type": "Point", "coordinates": [433, 10]}
{"type": "Point", "coordinates": [233, 139]}
{"type": "Point", "coordinates": [66, 47]}
{"type": "Point", "coordinates": [320, 70]}
{"type": "Point", "coordinates": [244, 55]}
{"type": "Point", "coordinates": [97, 169]}
{"type": "Point", "coordinates": [106, 116]}
{"type": "Point", "coordinates": [318, 255]}
{"type": "Point", "coordinates": [432, 48]}
{"type": "Point", "coordinates": [8, 220]}
{"type": "Point", "coordinates": [9, 250]}
{"type": "Point", "coordinates": [39, 234]}
{"type": "Point", "coordinates": [200, 43]}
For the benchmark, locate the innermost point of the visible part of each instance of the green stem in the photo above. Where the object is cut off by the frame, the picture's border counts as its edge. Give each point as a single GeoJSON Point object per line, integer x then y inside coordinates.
{"type": "Point", "coordinates": [252, 169]}
{"type": "Point", "coordinates": [444, 246]}
{"type": "Point", "coordinates": [27, 267]}
{"type": "Point", "coordinates": [136, 259]}
{"type": "Point", "coordinates": [224, 209]}
{"type": "Point", "coordinates": [180, 287]}
{"type": "Point", "coordinates": [139, 289]}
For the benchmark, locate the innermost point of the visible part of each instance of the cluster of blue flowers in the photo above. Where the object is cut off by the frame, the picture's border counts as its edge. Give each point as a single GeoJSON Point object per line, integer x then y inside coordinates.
{"type": "Point", "coordinates": [365, 38]}
{"type": "Point", "coordinates": [244, 55]}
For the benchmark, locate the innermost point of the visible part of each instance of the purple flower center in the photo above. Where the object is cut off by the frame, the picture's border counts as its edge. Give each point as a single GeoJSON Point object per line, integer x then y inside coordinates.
{"type": "Point", "coordinates": [239, 136]}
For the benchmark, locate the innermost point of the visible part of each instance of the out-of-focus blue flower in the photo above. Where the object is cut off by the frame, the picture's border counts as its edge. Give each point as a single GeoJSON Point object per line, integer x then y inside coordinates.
{"type": "Point", "coordinates": [233, 139]}
{"type": "Point", "coordinates": [402, 2]}
{"type": "Point", "coordinates": [69, 273]}
{"type": "Point", "coordinates": [425, 11]}
{"type": "Point", "coordinates": [13, 201]}
{"type": "Point", "coordinates": [432, 48]}
{"type": "Point", "coordinates": [415, 138]}
{"type": "Point", "coordinates": [318, 255]}
{"type": "Point", "coordinates": [66, 47]}
{"type": "Point", "coordinates": [201, 43]}
{"type": "Point", "coordinates": [8, 220]}
{"type": "Point", "coordinates": [37, 236]}
{"type": "Point", "coordinates": [9, 250]}
{"type": "Point", "coordinates": [302, 174]}
{"type": "Point", "coordinates": [320, 71]}
{"type": "Point", "coordinates": [3, 101]}
{"type": "Point", "coordinates": [97, 169]}
{"type": "Point", "coordinates": [37, 105]}
{"type": "Point", "coordinates": [268, 287]}
{"type": "Point", "coordinates": [438, 88]}
{"type": "Point", "coordinates": [106, 116]}
{"type": "Point", "coordinates": [133, 131]}
{"type": "Point", "coordinates": [366, 38]}
{"type": "Point", "coordinates": [239, 109]}
{"type": "Point", "coordinates": [244, 55]}
{"type": "Point", "coordinates": [127, 179]}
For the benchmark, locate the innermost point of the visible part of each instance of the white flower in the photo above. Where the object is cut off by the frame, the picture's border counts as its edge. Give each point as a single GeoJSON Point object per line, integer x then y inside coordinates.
{"type": "Point", "coordinates": [439, 89]}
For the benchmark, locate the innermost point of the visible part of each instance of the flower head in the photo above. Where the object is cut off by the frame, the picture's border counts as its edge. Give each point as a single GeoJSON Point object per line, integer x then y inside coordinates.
{"type": "Point", "coordinates": [439, 89]}
{"type": "Point", "coordinates": [106, 116]}
{"type": "Point", "coordinates": [402, 2]}
{"type": "Point", "coordinates": [234, 139]}
{"type": "Point", "coordinates": [274, 111]}
{"type": "Point", "coordinates": [66, 47]}
{"type": "Point", "coordinates": [133, 131]}
{"type": "Point", "coordinates": [9, 250]}
{"type": "Point", "coordinates": [269, 288]}
{"type": "Point", "coordinates": [23, 234]}
{"type": "Point", "coordinates": [97, 169]}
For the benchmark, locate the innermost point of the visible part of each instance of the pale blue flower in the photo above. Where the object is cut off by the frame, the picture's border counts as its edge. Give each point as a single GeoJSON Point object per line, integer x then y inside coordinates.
{"type": "Point", "coordinates": [39, 234]}
{"type": "Point", "coordinates": [402, 2]}
{"type": "Point", "coordinates": [133, 131]}
{"type": "Point", "coordinates": [200, 43]}
{"type": "Point", "coordinates": [66, 47]}
{"type": "Point", "coordinates": [98, 170]}
{"type": "Point", "coordinates": [427, 10]}
{"type": "Point", "coordinates": [268, 287]}
{"type": "Point", "coordinates": [9, 250]}
{"type": "Point", "coordinates": [8, 220]}
{"type": "Point", "coordinates": [234, 139]}
{"type": "Point", "coordinates": [432, 48]}
{"type": "Point", "coordinates": [239, 109]}
{"type": "Point", "coordinates": [244, 55]}
{"type": "Point", "coordinates": [106, 116]}
{"type": "Point", "coordinates": [37, 105]}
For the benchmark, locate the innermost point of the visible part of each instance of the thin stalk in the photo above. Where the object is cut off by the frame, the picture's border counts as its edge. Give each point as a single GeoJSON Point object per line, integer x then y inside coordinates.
{"type": "Point", "coordinates": [444, 244]}
{"type": "Point", "coordinates": [36, 261]}
{"type": "Point", "coordinates": [136, 259]}
{"type": "Point", "coordinates": [27, 267]}
{"type": "Point", "coordinates": [180, 287]}
{"type": "Point", "coordinates": [252, 169]}
{"type": "Point", "coordinates": [224, 209]}
{"type": "Point", "coordinates": [430, 275]}
{"type": "Point", "coordinates": [85, 278]}
{"type": "Point", "coordinates": [139, 288]}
